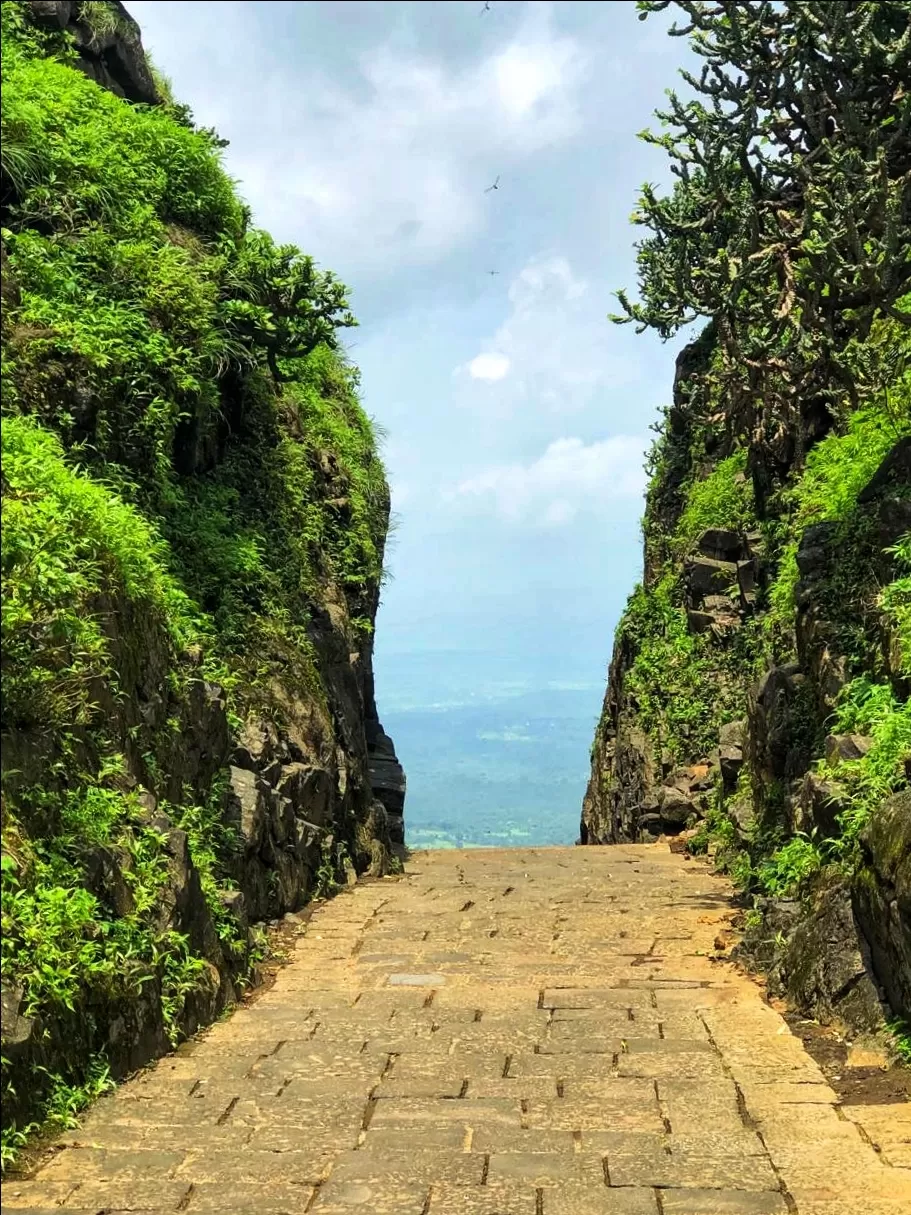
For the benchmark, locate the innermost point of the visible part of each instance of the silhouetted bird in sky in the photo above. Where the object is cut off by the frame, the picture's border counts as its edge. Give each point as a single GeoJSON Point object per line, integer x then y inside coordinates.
{"type": "Point", "coordinates": [493, 272]}
{"type": "Point", "coordinates": [495, 186]}
{"type": "Point", "coordinates": [485, 9]}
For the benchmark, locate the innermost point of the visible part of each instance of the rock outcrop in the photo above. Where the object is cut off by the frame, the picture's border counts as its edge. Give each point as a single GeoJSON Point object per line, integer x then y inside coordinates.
{"type": "Point", "coordinates": [765, 760]}
{"type": "Point", "coordinates": [109, 48]}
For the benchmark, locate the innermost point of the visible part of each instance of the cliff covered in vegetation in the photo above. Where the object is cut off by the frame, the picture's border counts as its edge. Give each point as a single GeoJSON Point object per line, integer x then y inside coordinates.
{"type": "Point", "coordinates": [758, 696]}
{"type": "Point", "coordinates": [194, 517]}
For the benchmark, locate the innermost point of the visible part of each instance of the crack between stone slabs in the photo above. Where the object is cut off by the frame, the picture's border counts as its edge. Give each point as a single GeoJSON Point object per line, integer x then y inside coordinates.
{"type": "Point", "coordinates": [226, 1113]}
{"type": "Point", "coordinates": [662, 1109]}
{"type": "Point", "coordinates": [865, 1136]}
{"type": "Point", "coordinates": [425, 1209]}
{"type": "Point", "coordinates": [485, 1169]}
{"type": "Point", "coordinates": [786, 1194]}
{"type": "Point", "coordinates": [315, 1195]}
{"type": "Point", "coordinates": [185, 1200]}
{"type": "Point", "coordinates": [539, 1201]}
{"type": "Point", "coordinates": [659, 1200]}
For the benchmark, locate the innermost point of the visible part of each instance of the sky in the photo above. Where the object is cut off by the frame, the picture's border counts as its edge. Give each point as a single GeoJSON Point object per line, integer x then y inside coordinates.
{"type": "Point", "coordinates": [515, 414]}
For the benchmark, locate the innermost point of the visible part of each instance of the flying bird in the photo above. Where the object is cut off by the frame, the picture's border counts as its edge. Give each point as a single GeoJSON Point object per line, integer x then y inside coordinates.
{"type": "Point", "coordinates": [495, 186]}
{"type": "Point", "coordinates": [485, 9]}
{"type": "Point", "coordinates": [491, 272]}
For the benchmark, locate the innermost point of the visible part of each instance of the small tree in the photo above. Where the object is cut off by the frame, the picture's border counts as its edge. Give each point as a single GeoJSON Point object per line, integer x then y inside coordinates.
{"type": "Point", "coordinates": [281, 304]}
{"type": "Point", "coordinates": [789, 221]}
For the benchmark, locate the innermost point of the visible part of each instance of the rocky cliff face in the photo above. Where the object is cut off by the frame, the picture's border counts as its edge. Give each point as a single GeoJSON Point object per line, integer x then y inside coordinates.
{"type": "Point", "coordinates": [192, 555]}
{"type": "Point", "coordinates": [757, 699]}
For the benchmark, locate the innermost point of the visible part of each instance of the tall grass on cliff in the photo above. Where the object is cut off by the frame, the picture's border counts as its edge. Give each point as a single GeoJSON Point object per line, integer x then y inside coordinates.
{"type": "Point", "coordinates": [184, 456]}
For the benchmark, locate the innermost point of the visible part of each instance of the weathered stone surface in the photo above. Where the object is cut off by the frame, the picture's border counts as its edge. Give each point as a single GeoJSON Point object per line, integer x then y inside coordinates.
{"type": "Point", "coordinates": [721, 544]}
{"type": "Point", "coordinates": [882, 898]}
{"type": "Point", "coordinates": [813, 956]}
{"type": "Point", "coordinates": [476, 1089]}
{"type": "Point", "coordinates": [706, 576]}
{"type": "Point", "coordinates": [114, 58]}
{"type": "Point", "coordinates": [778, 724]}
{"type": "Point", "coordinates": [730, 761]}
{"type": "Point", "coordinates": [821, 802]}
{"type": "Point", "coordinates": [675, 806]}
{"type": "Point", "coordinates": [841, 747]}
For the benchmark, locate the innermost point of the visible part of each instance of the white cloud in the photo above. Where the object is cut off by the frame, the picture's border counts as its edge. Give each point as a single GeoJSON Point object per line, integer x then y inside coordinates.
{"type": "Point", "coordinates": [388, 162]}
{"type": "Point", "coordinates": [556, 345]}
{"type": "Point", "coordinates": [570, 477]}
{"type": "Point", "coordinates": [488, 367]}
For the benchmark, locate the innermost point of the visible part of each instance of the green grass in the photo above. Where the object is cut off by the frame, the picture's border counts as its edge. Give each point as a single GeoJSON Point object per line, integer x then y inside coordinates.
{"type": "Point", "coordinates": [836, 471]}
{"type": "Point", "coordinates": [723, 499]}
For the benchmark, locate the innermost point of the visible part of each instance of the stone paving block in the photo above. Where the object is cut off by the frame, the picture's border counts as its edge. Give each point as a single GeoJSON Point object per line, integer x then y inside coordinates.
{"type": "Point", "coordinates": [233, 1198]}
{"type": "Point", "coordinates": [633, 1162]}
{"type": "Point", "coordinates": [601, 1112]}
{"type": "Point", "coordinates": [75, 1165]}
{"type": "Point", "coordinates": [374, 1194]}
{"type": "Point", "coordinates": [253, 1166]}
{"type": "Point", "coordinates": [417, 1112]}
{"type": "Point", "coordinates": [722, 1202]}
{"type": "Point", "coordinates": [94, 1195]}
{"type": "Point", "coordinates": [19, 1194]}
{"type": "Point", "coordinates": [408, 1165]}
{"type": "Point", "coordinates": [300, 1136]}
{"type": "Point", "coordinates": [445, 1137]}
{"type": "Point", "coordinates": [483, 1200]}
{"type": "Point", "coordinates": [598, 1200]}
{"type": "Point", "coordinates": [670, 1064]}
{"type": "Point", "coordinates": [520, 1139]}
{"type": "Point", "coordinates": [545, 1169]}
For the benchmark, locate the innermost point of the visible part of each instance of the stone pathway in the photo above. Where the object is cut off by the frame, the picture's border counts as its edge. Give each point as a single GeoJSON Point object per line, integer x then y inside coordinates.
{"type": "Point", "coordinates": [521, 1032]}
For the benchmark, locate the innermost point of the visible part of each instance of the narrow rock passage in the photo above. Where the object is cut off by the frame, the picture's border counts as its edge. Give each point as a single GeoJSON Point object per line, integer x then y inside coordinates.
{"type": "Point", "coordinates": [515, 1032]}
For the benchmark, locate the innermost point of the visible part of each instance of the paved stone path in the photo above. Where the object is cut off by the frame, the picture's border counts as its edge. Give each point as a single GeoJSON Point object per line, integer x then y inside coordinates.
{"type": "Point", "coordinates": [521, 1032]}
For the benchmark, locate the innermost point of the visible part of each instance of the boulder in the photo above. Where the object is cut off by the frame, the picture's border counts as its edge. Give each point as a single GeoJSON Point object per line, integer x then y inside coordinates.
{"type": "Point", "coordinates": [104, 870]}
{"type": "Point", "coordinates": [780, 732]}
{"type": "Point", "coordinates": [732, 734]}
{"type": "Point", "coordinates": [746, 580]}
{"type": "Point", "coordinates": [755, 545]}
{"type": "Point", "coordinates": [820, 802]}
{"type": "Point", "coordinates": [895, 469]}
{"type": "Point", "coordinates": [813, 552]}
{"type": "Point", "coordinates": [698, 622]}
{"type": "Point", "coordinates": [707, 576]}
{"type": "Point", "coordinates": [675, 806]}
{"type": "Point", "coordinates": [841, 747]}
{"type": "Point", "coordinates": [249, 806]}
{"type": "Point", "coordinates": [730, 761]}
{"type": "Point", "coordinates": [720, 544]}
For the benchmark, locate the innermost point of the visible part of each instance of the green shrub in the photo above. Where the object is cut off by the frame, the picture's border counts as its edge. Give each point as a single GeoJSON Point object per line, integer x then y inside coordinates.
{"type": "Point", "coordinates": [781, 874]}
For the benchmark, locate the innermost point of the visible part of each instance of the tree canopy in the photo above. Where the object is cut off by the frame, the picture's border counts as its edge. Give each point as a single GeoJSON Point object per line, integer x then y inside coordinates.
{"type": "Point", "coordinates": [789, 224]}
